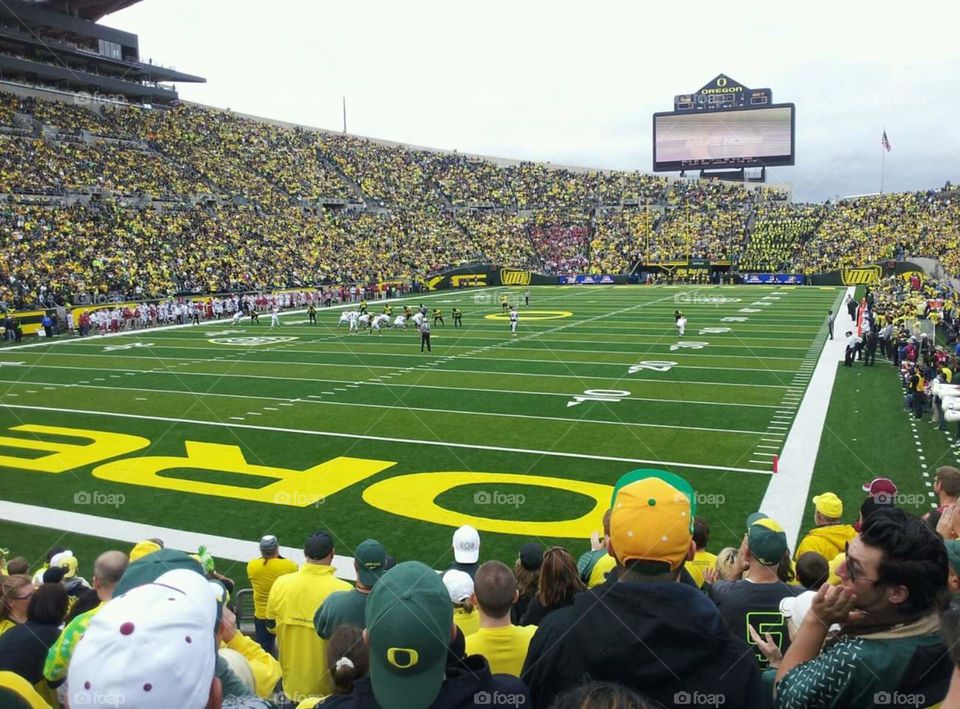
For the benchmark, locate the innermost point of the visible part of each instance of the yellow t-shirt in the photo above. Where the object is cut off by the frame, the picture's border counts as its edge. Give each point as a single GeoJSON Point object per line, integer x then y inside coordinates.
{"type": "Point", "coordinates": [311, 702]}
{"type": "Point", "coordinates": [293, 601]}
{"type": "Point", "coordinates": [599, 572]}
{"type": "Point", "coordinates": [6, 624]}
{"type": "Point", "coordinates": [505, 648]}
{"type": "Point", "coordinates": [23, 689]}
{"type": "Point", "coordinates": [469, 623]}
{"type": "Point", "coordinates": [262, 575]}
{"type": "Point", "coordinates": [701, 562]}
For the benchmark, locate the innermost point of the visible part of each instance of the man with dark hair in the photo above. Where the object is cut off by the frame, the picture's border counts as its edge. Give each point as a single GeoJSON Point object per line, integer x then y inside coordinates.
{"type": "Point", "coordinates": [641, 628]}
{"type": "Point", "coordinates": [812, 570]}
{"type": "Point", "coordinates": [893, 584]}
{"type": "Point", "coordinates": [703, 559]}
{"type": "Point", "coordinates": [502, 643]}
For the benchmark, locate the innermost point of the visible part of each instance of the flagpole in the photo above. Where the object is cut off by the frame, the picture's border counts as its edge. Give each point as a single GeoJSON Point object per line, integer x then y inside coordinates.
{"type": "Point", "coordinates": [883, 160]}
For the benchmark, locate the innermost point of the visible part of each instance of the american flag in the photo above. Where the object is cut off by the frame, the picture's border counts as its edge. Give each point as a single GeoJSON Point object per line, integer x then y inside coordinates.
{"type": "Point", "coordinates": [885, 142]}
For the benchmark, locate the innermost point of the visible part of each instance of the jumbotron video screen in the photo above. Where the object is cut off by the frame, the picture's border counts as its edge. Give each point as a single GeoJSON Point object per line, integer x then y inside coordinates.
{"type": "Point", "coordinates": [751, 137]}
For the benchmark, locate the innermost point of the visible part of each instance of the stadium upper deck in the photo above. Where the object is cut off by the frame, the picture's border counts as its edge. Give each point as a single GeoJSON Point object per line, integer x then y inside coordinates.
{"type": "Point", "coordinates": [243, 203]}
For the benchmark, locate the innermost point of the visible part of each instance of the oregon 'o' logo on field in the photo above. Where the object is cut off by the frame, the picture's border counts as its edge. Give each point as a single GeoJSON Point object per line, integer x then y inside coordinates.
{"type": "Point", "coordinates": [532, 315]}
{"type": "Point", "coordinates": [250, 341]}
{"type": "Point", "coordinates": [512, 277]}
{"type": "Point", "coordinates": [861, 276]}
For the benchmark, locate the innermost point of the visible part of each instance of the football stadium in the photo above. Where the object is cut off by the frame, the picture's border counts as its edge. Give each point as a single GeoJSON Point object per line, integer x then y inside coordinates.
{"type": "Point", "coordinates": [400, 426]}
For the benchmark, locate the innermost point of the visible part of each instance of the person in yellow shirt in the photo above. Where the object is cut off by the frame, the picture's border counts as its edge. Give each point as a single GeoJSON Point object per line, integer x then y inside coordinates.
{"type": "Point", "coordinates": [831, 535]}
{"type": "Point", "coordinates": [263, 572]}
{"type": "Point", "coordinates": [291, 606]}
{"type": "Point", "coordinates": [460, 587]}
{"type": "Point", "coordinates": [502, 643]}
{"type": "Point", "coordinates": [703, 559]}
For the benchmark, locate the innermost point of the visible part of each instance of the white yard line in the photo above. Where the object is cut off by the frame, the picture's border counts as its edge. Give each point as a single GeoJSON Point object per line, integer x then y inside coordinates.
{"type": "Point", "coordinates": [370, 382]}
{"type": "Point", "coordinates": [387, 439]}
{"type": "Point", "coordinates": [787, 496]}
{"type": "Point", "coordinates": [241, 550]}
{"type": "Point", "coordinates": [428, 410]}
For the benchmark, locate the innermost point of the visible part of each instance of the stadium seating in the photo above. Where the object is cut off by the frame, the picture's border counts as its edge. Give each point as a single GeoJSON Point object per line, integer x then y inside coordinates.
{"type": "Point", "coordinates": [245, 203]}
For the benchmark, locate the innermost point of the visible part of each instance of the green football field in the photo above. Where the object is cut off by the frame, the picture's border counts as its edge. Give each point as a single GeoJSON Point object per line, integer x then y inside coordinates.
{"type": "Point", "coordinates": [240, 431]}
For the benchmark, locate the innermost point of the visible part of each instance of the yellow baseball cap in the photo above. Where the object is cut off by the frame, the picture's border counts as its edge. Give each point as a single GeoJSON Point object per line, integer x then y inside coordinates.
{"type": "Point", "coordinates": [828, 504]}
{"type": "Point", "coordinates": [652, 517]}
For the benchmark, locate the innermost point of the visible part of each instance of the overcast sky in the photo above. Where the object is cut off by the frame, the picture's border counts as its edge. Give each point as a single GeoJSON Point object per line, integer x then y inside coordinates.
{"type": "Point", "coordinates": [577, 83]}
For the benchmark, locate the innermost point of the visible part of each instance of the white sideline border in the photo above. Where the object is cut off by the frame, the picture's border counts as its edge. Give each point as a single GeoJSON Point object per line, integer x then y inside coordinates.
{"type": "Point", "coordinates": [240, 550]}
{"type": "Point", "coordinates": [796, 463]}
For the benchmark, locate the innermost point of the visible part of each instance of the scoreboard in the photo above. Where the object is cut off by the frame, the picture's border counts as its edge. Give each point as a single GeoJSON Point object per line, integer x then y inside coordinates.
{"type": "Point", "coordinates": [725, 125]}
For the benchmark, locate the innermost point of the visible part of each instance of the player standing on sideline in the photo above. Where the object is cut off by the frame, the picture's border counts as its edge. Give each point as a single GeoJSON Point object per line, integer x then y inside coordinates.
{"type": "Point", "coordinates": [195, 312]}
{"type": "Point", "coordinates": [681, 322]}
{"type": "Point", "coordinates": [457, 317]}
{"type": "Point", "coordinates": [275, 317]}
{"type": "Point", "coordinates": [830, 317]}
{"type": "Point", "coordinates": [526, 297]}
{"type": "Point", "coordinates": [425, 335]}
{"type": "Point", "coordinates": [514, 316]}
{"type": "Point", "coordinates": [438, 315]}
{"type": "Point", "coordinates": [312, 314]}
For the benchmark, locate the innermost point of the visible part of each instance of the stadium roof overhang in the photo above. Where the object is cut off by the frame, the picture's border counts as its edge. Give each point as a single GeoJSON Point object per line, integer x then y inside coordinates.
{"type": "Point", "coordinates": [91, 10]}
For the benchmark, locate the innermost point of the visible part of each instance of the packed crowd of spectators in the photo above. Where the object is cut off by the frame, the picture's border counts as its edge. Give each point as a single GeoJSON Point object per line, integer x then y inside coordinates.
{"type": "Point", "coordinates": [778, 232]}
{"type": "Point", "coordinates": [648, 616]}
{"type": "Point", "coordinates": [621, 239]}
{"type": "Point", "coordinates": [273, 210]}
{"type": "Point", "coordinates": [889, 226]}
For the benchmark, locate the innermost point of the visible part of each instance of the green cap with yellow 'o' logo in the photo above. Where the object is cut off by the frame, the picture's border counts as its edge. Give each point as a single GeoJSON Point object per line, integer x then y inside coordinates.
{"type": "Point", "coordinates": [409, 622]}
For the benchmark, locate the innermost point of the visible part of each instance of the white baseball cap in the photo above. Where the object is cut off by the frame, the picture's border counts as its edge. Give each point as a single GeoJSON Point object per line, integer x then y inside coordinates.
{"type": "Point", "coordinates": [466, 545]}
{"type": "Point", "coordinates": [152, 647]}
{"type": "Point", "coordinates": [459, 585]}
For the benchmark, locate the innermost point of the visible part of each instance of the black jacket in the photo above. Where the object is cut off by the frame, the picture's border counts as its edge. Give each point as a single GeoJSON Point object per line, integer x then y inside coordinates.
{"type": "Point", "coordinates": [666, 640]}
{"type": "Point", "coordinates": [466, 686]}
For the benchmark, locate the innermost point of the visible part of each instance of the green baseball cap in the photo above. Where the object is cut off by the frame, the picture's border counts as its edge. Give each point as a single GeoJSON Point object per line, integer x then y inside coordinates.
{"type": "Point", "coordinates": [371, 561]}
{"type": "Point", "coordinates": [766, 539]}
{"type": "Point", "coordinates": [148, 568]}
{"type": "Point", "coordinates": [409, 620]}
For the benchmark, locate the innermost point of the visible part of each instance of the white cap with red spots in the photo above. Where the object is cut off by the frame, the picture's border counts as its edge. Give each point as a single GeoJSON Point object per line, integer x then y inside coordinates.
{"type": "Point", "coordinates": [151, 647]}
